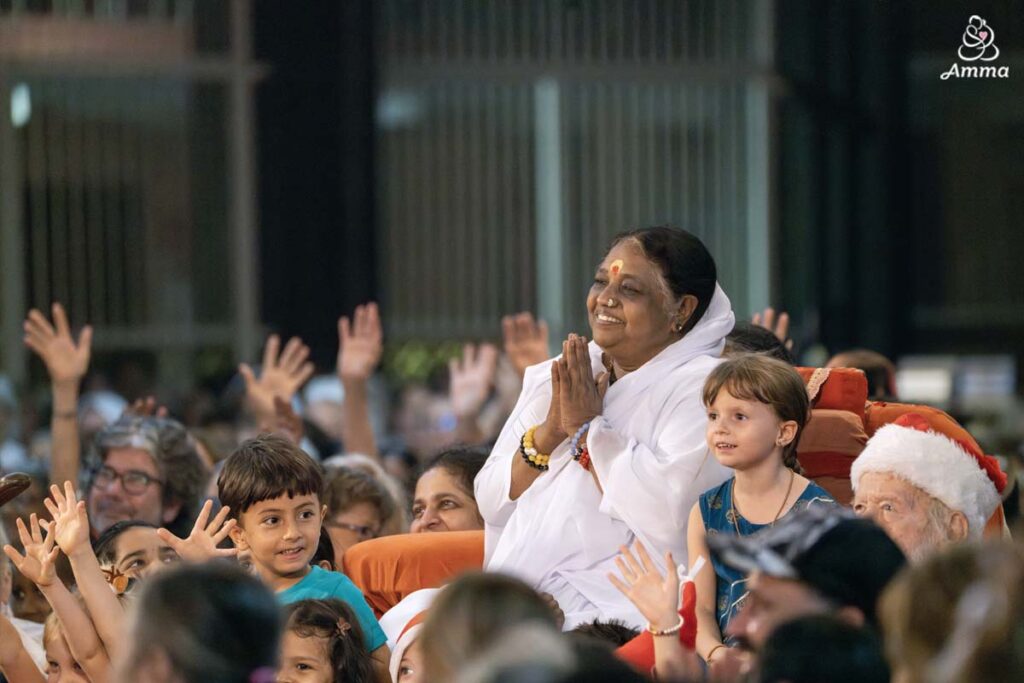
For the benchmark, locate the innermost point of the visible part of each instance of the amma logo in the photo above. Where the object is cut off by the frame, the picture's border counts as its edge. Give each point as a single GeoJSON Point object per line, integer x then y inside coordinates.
{"type": "Point", "coordinates": [979, 44]}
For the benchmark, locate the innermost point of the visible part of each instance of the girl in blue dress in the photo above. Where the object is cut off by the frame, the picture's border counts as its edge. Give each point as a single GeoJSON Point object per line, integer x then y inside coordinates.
{"type": "Point", "coordinates": [757, 407]}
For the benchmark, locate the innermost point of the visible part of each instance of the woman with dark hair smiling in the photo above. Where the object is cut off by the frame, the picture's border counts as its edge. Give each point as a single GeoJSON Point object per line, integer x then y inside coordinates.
{"type": "Point", "coordinates": [606, 443]}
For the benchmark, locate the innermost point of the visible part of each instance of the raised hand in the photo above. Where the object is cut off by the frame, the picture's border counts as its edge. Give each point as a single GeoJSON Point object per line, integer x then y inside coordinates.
{"type": "Point", "coordinates": [146, 407]}
{"type": "Point", "coordinates": [280, 376]}
{"type": "Point", "coordinates": [471, 379]}
{"type": "Point", "coordinates": [201, 544]}
{"type": "Point", "coordinates": [70, 520]}
{"type": "Point", "coordinates": [66, 361]}
{"type": "Point", "coordinates": [780, 327]}
{"type": "Point", "coordinates": [37, 564]}
{"type": "Point", "coordinates": [360, 344]}
{"type": "Point", "coordinates": [526, 340]}
{"type": "Point", "coordinates": [581, 397]}
{"type": "Point", "coordinates": [656, 596]}
{"type": "Point", "coordinates": [284, 421]}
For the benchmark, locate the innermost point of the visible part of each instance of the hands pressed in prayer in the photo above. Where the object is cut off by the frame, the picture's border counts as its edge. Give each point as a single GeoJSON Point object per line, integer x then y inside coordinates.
{"type": "Point", "coordinates": [581, 397]}
{"type": "Point", "coordinates": [526, 340]}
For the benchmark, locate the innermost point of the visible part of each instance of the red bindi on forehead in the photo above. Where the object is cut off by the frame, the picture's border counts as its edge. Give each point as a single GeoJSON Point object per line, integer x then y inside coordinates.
{"type": "Point", "coordinates": [616, 267]}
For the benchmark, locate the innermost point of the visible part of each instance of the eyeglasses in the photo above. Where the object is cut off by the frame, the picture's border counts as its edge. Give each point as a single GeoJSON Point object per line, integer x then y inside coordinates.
{"type": "Point", "coordinates": [365, 533]}
{"type": "Point", "coordinates": [133, 481]}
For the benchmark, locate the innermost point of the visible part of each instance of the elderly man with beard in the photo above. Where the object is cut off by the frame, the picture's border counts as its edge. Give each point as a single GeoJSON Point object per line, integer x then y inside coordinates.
{"type": "Point", "coordinates": [146, 469]}
{"type": "Point", "coordinates": [925, 489]}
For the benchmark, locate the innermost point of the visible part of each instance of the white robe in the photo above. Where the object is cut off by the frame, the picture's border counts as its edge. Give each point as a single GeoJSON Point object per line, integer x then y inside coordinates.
{"type": "Point", "coordinates": [649, 451]}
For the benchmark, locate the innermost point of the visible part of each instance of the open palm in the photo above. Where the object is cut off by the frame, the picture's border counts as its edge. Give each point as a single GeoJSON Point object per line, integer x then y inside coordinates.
{"type": "Point", "coordinates": [66, 361]}
{"type": "Point", "coordinates": [70, 520]}
{"type": "Point", "coordinates": [471, 378]}
{"type": "Point", "coordinates": [656, 596]}
{"type": "Point", "coordinates": [360, 344]}
{"type": "Point", "coordinates": [280, 376]}
{"type": "Point", "coordinates": [37, 564]}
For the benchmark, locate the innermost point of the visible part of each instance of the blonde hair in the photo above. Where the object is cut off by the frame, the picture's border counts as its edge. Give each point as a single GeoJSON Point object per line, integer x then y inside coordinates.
{"type": "Point", "coordinates": [471, 615]}
{"type": "Point", "coordinates": [958, 616]}
{"type": "Point", "coordinates": [753, 377]}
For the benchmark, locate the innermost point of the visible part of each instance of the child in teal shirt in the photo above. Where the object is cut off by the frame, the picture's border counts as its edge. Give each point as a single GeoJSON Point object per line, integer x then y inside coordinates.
{"type": "Point", "coordinates": [273, 489]}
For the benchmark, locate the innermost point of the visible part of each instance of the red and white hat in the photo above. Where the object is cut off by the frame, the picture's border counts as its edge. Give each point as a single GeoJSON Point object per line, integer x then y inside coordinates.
{"type": "Point", "coordinates": [954, 471]}
{"type": "Point", "coordinates": [403, 622]}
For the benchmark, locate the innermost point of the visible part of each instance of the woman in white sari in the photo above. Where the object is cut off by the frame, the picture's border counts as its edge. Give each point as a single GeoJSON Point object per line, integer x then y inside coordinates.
{"type": "Point", "coordinates": [619, 453]}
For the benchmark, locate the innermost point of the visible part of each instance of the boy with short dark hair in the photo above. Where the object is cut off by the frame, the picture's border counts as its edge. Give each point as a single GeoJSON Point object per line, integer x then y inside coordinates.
{"type": "Point", "coordinates": [274, 490]}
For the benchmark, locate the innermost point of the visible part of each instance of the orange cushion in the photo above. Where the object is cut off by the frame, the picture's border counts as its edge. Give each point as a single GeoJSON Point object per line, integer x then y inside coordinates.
{"type": "Point", "coordinates": [388, 569]}
{"type": "Point", "coordinates": [845, 389]}
{"type": "Point", "coordinates": [828, 446]}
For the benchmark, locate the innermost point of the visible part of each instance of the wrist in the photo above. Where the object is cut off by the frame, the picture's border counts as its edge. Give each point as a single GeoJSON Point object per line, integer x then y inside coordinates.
{"type": "Point", "coordinates": [546, 439]}
{"type": "Point", "coordinates": [78, 553]}
{"type": "Point", "coordinates": [715, 651]}
{"type": "Point", "coordinates": [353, 384]}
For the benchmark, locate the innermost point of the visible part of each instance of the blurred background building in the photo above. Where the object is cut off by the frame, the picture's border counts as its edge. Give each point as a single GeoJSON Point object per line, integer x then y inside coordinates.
{"type": "Point", "coordinates": [189, 174]}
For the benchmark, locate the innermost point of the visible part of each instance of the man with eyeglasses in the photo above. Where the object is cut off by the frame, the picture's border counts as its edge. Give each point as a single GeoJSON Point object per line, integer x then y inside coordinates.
{"type": "Point", "coordinates": [146, 469]}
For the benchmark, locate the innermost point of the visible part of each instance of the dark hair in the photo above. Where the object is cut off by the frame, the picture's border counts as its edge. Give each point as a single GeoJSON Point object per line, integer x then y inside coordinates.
{"type": "Point", "coordinates": [174, 452]}
{"type": "Point", "coordinates": [822, 648]}
{"type": "Point", "coordinates": [214, 622]}
{"type": "Point", "coordinates": [685, 262]}
{"type": "Point", "coordinates": [750, 338]}
{"type": "Point", "coordinates": [334, 621]}
{"type": "Point", "coordinates": [463, 463]}
{"type": "Point", "coordinates": [267, 467]}
{"type": "Point", "coordinates": [612, 633]}
{"type": "Point", "coordinates": [878, 369]}
{"type": "Point", "coordinates": [324, 549]}
{"type": "Point", "coordinates": [346, 487]}
{"type": "Point", "coordinates": [753, 377]}
{"type": "Point", "coordinates": [105, 546]}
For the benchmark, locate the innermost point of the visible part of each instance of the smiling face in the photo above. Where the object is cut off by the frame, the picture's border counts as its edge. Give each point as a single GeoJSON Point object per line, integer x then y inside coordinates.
{"type": "Point", "coordinates": [441, 504]}
{"type": "Point", "coordinates": [282, 535]}
{"type": "Point", "coordinates": [304, 660]}
{"type": "Point", "coordinates": [629, 308]}
{"type": "Point", "coordinates": [109, 502]}
{"type": "Point", "coordinates": [139, 552]}
{"type": "Point", "coordinates": [743, 433]}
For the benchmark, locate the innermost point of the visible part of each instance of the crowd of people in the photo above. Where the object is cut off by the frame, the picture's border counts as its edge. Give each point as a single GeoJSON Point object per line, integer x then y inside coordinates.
{"type": "Point", "coordinates": [670, 498]}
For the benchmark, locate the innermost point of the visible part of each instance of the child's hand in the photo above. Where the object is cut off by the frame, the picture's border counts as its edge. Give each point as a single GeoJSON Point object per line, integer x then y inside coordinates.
{"type": "Point", "coordinates": [656, 596]}
{"type": "Point", "coordinates": [70, 521]}
{"type": "Point", "coordinates": [201, 544]}
{"type": "Point", "coordinates": [37, 564]}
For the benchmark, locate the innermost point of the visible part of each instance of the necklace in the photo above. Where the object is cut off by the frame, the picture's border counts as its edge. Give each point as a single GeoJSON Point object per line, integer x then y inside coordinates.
{"type": "Point", "coordinates": [736, 515]}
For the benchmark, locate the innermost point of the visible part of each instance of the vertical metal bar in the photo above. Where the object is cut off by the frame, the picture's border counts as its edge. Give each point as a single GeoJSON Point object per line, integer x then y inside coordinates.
{"type": "Point", "coordinates": [758, 161]}
{"type": "Point", "coordinates": [58, 179]}
{"type": "Point", "coordinates": [95, 189]}
{"type": "Point", "coordinates": [76, 204]}
{"type": "Point", "coordinates": [550, 210]}
{"type": "Point", "coordinates": [242, 216]}
{"type": "Point", "coordinates": [12, 244]}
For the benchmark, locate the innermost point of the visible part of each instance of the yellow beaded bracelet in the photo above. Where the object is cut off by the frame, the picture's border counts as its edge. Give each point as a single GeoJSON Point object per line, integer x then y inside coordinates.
{"type": "Point", "coordinates": [533, 458]}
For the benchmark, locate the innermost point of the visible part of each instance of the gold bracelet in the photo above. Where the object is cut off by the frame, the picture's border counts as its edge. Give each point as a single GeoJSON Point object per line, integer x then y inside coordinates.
{"type": "Point", "coordinates": [712, 652]}
{"type": "Point", "coordinates": [667, 632]}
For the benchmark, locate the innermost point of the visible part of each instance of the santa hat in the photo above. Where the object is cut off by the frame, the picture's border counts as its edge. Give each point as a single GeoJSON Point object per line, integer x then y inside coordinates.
{"type": "Point", "coordinates": [403, 622]}
{"type": "Point", "coordinates": [954, 471]}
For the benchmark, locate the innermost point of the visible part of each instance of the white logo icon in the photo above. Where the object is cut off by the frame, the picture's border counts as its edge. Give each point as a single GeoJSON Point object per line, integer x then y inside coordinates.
{"type": "Point", "coordinates": [979, 41]}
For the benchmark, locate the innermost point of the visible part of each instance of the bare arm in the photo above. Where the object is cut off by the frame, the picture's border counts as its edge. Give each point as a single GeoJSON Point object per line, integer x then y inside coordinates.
{"type": "Point", "coordinates": [71, 531]}
{"type": "Point", "coordinates": [37, 564]}
{"type": "Point", "coordinates": [66, 362]}
{"type": "Point", "coordinates": [708, 634]}
{"type": "Point", "coordinates": [15, 662]}
{"type": "Point", "coordinates": [381, 661]}
{"type": "Point", "coordinates": [360, 346]}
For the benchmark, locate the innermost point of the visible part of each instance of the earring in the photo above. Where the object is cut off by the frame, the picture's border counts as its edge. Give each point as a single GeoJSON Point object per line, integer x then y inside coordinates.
{"type": "Point", "coordinates": [678, 327]}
